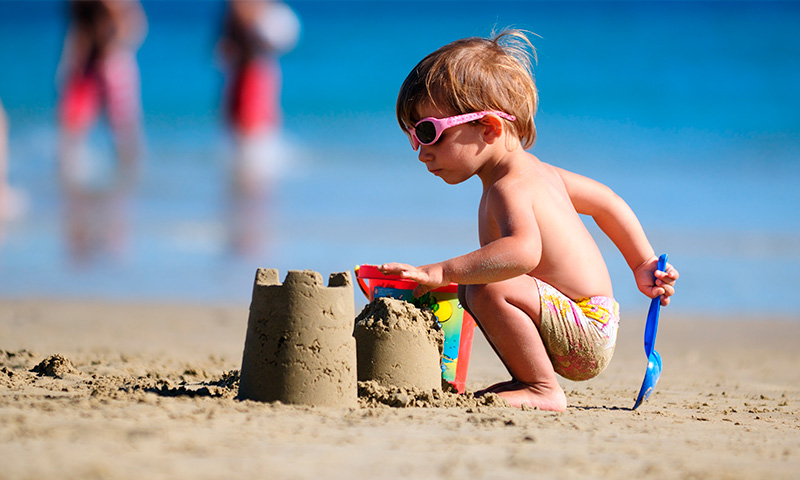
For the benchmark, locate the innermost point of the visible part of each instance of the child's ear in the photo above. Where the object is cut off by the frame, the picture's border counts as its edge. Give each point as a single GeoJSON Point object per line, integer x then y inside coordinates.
{"type": "Point", "coordinates": [492, 128]}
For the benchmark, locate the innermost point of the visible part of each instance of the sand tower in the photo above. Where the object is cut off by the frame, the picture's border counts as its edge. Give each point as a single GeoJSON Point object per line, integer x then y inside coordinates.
{"type": "Point", "coordinates": [399, 345]}
{"type": "Point", "coordinates": [299, 347]}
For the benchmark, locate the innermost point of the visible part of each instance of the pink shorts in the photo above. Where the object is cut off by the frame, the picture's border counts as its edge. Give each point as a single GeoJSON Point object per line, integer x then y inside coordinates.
{"type": "Point", "coordinates": [580, 335]}
{"type": "Point", "coordinates": [113, 84]}
{"type": "Point", "coordinates": [253, 103]}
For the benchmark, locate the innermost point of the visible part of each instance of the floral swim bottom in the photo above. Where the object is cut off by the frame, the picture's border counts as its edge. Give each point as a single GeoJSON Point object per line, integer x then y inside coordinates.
{"type": "Point", "coordinates": [580, 335]}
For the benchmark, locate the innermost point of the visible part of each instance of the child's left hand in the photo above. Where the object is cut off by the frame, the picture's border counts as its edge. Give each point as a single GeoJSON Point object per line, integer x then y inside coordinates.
{"type": "Point", "coordinates": [653, 282]}
{"type": "Point", "coordinates": [428, 276]}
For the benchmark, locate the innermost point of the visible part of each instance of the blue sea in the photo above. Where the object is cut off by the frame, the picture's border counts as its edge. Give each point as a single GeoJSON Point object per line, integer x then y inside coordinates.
{"type": "Point", "coordinates": [689, 110]}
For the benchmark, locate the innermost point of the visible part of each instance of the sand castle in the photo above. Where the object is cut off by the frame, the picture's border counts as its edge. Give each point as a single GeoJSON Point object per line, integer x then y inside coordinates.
{"type": "Point", "coordinates": [299, 347]}
{"type": "Point", "coordinates": [399, 345]}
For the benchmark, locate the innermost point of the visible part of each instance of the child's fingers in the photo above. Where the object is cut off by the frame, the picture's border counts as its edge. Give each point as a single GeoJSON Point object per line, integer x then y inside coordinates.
{"type": "Point", "coordinates": [420, 290]}
{"type": "Point", "coordinates": [656, 292]}
{"type": "Point", "coordinates": [667, 290]}
{"type": "Point", "coordinates": [405, 271]}
{"type": "Point", "coordinates": [666, 278]}
{"type": "Point", "coordinates": [393, 268]}
{"type": "Point", "coordinates": [669, 272]}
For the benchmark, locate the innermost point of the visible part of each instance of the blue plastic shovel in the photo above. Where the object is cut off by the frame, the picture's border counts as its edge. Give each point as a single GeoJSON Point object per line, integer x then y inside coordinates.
{"type": "Point", "coordinates": [653, 372]}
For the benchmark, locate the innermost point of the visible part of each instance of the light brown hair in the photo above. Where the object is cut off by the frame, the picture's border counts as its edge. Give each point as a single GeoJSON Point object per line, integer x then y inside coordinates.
{"type": "Point", "coordinates": [476, 74]}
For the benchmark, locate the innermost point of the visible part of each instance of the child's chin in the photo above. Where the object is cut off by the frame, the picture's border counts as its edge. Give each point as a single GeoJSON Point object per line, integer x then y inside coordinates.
{"type": "Point", "coordinates": [452, 180]}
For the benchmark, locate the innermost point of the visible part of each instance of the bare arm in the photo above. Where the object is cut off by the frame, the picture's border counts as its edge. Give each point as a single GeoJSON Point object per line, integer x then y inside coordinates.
{"type": "Point", "coordinates": [616, 219]}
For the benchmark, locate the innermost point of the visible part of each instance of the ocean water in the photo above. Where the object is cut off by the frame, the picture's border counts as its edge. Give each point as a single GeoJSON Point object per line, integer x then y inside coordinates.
{"type": "Point", "coordinates": [689, 110]}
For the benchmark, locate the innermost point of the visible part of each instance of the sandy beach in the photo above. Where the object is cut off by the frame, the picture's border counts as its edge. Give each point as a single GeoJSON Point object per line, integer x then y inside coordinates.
{"type": "Point", "coordinates": [130, 390]}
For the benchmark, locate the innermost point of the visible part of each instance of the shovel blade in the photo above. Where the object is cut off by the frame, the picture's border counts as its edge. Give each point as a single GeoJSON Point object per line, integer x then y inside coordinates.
{"type": "Point", "coordinates": [651, 377]}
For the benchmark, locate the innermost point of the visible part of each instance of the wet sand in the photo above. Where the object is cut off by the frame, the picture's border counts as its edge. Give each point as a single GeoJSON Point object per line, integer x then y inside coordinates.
{"type": "Point", "coordinates": [126, 390]}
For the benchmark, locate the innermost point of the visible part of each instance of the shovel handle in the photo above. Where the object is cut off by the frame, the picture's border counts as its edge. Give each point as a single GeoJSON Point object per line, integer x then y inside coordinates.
{"type": "Point", "coordinates": [651, 327]}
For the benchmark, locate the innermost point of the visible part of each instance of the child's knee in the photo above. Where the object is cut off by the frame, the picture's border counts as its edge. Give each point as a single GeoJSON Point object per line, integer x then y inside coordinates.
{"type": "Point", "coordinates": [477, 297]}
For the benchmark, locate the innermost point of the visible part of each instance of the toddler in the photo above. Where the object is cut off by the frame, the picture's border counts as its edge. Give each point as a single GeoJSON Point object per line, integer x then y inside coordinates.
{"type": "Point", "coordinates": [538, 286]}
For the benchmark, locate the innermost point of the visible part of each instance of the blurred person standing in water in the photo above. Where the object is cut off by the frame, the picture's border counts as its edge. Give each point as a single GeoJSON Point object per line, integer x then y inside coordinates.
{"type": "Point", "coordinates": [98, 74]}
{"type": "Point", "coordinates": [255, 34]}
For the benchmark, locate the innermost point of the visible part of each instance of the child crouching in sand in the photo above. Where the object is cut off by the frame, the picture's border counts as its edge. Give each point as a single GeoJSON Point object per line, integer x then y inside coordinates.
{"type": "Point", "coordinates": [538, 286]}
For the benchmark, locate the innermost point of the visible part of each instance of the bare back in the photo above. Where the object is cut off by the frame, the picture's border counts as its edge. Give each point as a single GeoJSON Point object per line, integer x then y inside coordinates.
{"type": "Point", "coordinates": [569, 259]}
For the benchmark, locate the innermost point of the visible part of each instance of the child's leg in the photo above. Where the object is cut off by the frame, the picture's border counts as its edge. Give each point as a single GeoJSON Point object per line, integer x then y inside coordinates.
{"type": "Point", "coordinates": [508, 313]}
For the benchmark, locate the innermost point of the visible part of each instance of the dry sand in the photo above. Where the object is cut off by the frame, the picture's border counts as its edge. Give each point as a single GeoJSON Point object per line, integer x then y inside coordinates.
{"type": "Point", "coordinates": [146, 391]}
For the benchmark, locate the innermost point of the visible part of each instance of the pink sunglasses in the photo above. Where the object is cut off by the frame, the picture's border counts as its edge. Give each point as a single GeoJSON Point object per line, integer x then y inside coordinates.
{"type": "Point", "coordinates": [428, 130]}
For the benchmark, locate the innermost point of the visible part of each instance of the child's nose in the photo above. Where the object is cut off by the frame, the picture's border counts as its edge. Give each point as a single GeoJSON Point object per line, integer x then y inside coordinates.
{"type": "Point", "coordinates": [424, 156]}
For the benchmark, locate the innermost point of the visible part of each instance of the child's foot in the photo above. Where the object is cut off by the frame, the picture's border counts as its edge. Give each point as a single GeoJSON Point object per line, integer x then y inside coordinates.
{"type": "Point", "coordinates": [518, 394]}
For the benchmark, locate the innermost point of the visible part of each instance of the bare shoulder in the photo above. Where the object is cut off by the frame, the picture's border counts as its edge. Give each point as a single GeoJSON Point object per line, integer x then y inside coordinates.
{"type": "Point", "coordinates": [547, 180]}
{"type": "Point", "coordinates": [517, 183]}
{"type": "Point", "coordinates": [528, 170]}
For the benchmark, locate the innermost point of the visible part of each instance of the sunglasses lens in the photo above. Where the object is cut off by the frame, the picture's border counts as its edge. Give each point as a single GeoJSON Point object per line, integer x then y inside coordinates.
{"type": "Point", "coordinates": [426, 132]}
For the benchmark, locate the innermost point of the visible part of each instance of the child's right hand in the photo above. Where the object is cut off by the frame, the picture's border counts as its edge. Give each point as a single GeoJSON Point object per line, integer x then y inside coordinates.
{"type": "Point", "coordinates": [653, 282]}
{"type": "Point", "coordinates": [428, 276]}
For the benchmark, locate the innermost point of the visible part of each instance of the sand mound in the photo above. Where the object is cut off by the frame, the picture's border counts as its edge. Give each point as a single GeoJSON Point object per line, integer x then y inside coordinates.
{"type": "Point", "coordinates": [398, 344]}
{"type": "Point", "coordinates": [386, 314]}
{"type": "Point", "coordinates": [55, 366]}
